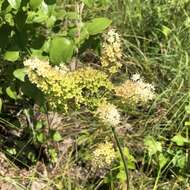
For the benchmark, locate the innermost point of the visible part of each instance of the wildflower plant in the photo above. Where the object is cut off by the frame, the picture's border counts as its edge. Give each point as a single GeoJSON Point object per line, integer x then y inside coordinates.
{"type": "Point", "coordinates": [85, 86]}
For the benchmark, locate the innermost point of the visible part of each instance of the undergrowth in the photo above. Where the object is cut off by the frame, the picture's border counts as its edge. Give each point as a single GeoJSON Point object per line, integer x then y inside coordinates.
{"type": "Point", "coordinates": [94, 94]}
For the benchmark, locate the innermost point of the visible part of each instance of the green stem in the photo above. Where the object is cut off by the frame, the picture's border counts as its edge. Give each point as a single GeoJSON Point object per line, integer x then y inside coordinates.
{"type": "Point", "coordinates": [157, 179]}
{"type": "Point", "coordinates": [122, 157]}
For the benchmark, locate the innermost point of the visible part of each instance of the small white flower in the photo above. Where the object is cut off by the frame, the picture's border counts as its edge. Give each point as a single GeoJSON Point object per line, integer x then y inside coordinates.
{"type": "Point", "coordinates": [109, 114]}
{"type": "Point", "coordinates": [136, 77]}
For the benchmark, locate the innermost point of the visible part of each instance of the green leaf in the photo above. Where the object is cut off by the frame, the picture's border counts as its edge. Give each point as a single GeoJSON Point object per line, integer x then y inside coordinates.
{"type": "Point", "coordinates": [40, 137]}
{"type": "Point", "coordinates": [53, 154]}
{"type": "Point", "coordinates": [11, 93]}
{"type": "Point", "coordinates": [15, 4]}
{"type": "Point", "coordinates": [88, 3]}
{"type": "Point", "coordinates": [187, 123]}
{"type": "Point", "coordinates": [34, 4]}
{"type": "Point", "coordinates": [98, 25]}
{"type": "Point", "coordinates": [179, 140]}
{"type": "Point", "coordinates": [152, 146]}
{"type": "Point", "coordinates": [50, 2]}
{"type": "Point", "coordinates": [187, 109]}
{"type": "Point", "coordinates": [11, 151]}
{"type": "Point", "coordinates": [11, 56]}
{"type": "Point", "coordinates": [39, 125]}
{"type": "Point", "coordinates": [61, 50]}
{"type": "Point", "coordinates": [179, 159]}
{"type": "Point", "coordinates": [166, 31]}
{"type": "Point", "coordinates": [57, 136]}
{"type": "Point", "coordinates": [162, 160]}
{"type": "Point", "coordinates": [20, 74]}
{"type": "Point", "coordinates": [121, 175]}
{"type": "Point", "coordinates": [130, 158]}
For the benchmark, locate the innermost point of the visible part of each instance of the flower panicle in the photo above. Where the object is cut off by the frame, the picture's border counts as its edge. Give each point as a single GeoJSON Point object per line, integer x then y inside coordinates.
{"type": "Point", "coordinates": [135, 90]}
{"type": "Point", "coordinates": [111, 52]}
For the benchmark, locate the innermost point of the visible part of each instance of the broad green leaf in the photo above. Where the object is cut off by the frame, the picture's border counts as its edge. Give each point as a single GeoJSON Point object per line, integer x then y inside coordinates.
{"type": "Point", "coordinates": [98, 25]}
{"type": "Point", "coordinates": [11, 56]}
{"type": "Point", "coordinates": [35, 3]}
{"type": "Point", "coordinates": [57, 136]}
{"type": "Point", "coordinates": [31, 156]}
{"type": "Point", "coordinates": [20, 74]}
{"type": "Point", "coordinates": [39, 125]}
{"type": "Point", "coordinates": [15, 3]}
{"type": "Point", "coordinates": [61, 50]}
{"type": "Point", "coordinates": [152, 145]}
{"type": "Point", "coordinates": [11, 93]}
{"type": "Point", "coordinates": [40, 137]}
{"type": "Point", "coordinates": [179, 140]}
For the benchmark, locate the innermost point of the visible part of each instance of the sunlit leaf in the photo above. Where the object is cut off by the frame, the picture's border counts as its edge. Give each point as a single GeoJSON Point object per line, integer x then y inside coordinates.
{"type": "Point", "coordinates": [57, 136]}
{"type": "Point", "coordinates": [11, 93]}
{"type": "Point", "coordinates": [162, 160]}
{"type": "Point", "coordinates": [61, 50]}
{"type": "Point", "coordinates": [35, 3]}
{"type": "Point", "coordinates": [98, 25]}
{"type": "Point", "coordinates": [20, 74]}
{"type": "Point", "coordinates": [11, 56]}
{"type": "Point", "coordinates": [152, 145]}
{"type": "Point", "coordinates": [15, 3]}
{"type": "Point", "coordinates": [179, 140]}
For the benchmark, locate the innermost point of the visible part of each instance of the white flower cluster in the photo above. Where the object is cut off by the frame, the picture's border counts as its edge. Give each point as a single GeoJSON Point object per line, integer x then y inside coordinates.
{"type": "Point", "coordinates": [144, 90]}
{"type": "Point", "coordinates": [136, 90]}
{"type": "Point", "coordinates": [43, 68]}
{"type": "Point", "coordinates": [108, 114]}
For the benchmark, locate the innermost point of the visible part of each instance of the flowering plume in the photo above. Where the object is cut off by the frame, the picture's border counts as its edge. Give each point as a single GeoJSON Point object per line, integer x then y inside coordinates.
{"type": "Point", "coordinates": [111, 52]}
{"type": "Point", "coordinates": [135, 90]}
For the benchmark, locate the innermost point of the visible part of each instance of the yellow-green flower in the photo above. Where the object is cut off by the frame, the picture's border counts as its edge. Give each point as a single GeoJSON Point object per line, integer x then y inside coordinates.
{"type": "Point", "coordinates": [111, 52]}
{"type": "Point", "coordinates": [103, 155]}
{"type": "Point", "coordinates": [65, 89]}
